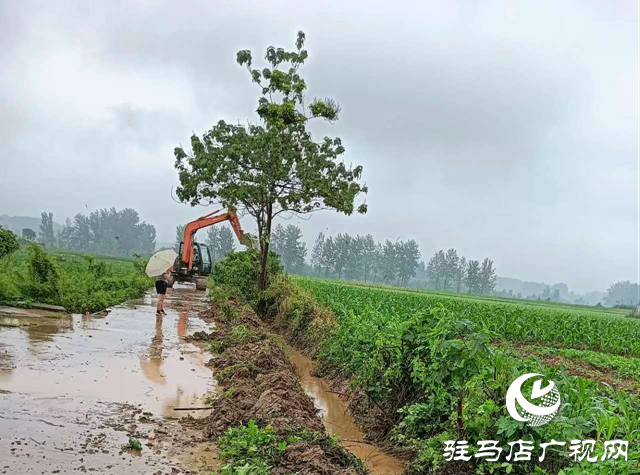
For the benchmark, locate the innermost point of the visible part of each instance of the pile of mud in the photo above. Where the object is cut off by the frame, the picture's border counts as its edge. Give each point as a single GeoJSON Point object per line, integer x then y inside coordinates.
{"type": "Point", "coordinates": [259, 383]}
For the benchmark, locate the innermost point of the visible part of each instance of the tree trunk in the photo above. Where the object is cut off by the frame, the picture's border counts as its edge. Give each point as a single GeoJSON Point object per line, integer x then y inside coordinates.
{"type": "Point", "coordinates": [264, 249]}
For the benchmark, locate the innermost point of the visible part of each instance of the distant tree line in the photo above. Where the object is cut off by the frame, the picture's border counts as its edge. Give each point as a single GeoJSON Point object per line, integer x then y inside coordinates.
{"type": "Point", "coordinates": [450, 272]}
{"type": "Point", "coordinates": [104, 231]}
{"type": "Point", "coordinates": [395, 263]}
{"type": "Point", "coordinates": [362, 258]}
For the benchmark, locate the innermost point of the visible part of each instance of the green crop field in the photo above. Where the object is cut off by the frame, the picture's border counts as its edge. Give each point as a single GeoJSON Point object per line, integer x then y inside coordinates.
{"type": "Point", "coordinates": [509, 319]}
{"type": "Point", "coordinates": [79, 282]}
{"type": "Point", "coordinates": [412, 352]}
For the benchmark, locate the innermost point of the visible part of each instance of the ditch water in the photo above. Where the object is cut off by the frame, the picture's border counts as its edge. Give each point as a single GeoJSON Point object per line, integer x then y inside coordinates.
{"type": "Point", "coordinates": [338, 421]}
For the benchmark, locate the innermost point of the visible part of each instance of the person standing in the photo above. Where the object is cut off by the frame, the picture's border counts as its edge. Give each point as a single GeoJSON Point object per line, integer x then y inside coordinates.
{"type": "Point", "coordinates": [162, 282]}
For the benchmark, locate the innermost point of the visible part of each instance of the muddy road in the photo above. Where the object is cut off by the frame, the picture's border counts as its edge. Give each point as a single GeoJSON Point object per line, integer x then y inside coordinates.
{"type": "Point", "coordinates": [74, 389]}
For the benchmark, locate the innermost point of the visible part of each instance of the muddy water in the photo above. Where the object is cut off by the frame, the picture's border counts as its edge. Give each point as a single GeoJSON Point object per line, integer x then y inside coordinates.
{"type": "Point", "coordinates": [73, 389]}
{"type": "Point", "coordinates": [338, 420]}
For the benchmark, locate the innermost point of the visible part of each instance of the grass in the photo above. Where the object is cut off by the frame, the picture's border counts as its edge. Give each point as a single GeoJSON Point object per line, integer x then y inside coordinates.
{"type": "Point", "coordinates": [78, 282]}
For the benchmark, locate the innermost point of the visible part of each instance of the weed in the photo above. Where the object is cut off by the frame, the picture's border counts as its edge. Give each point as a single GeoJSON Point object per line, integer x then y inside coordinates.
{"type": "Point", "coordinates": [135, 444]}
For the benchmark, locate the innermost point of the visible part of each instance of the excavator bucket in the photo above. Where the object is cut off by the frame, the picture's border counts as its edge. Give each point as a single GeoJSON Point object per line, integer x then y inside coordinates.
{"type": "Point", "coordinates": [249, 240]}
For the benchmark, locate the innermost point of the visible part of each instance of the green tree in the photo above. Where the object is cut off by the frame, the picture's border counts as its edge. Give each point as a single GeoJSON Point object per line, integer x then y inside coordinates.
{"type": "Point", "coordinates": [275, 166]}
{"type": "Point", "coordinates": [220, 240]}
{"type": "Point", "coordinates": [487, 277]}
{"type": "Point", "coordinates": [461, 273]}
{"type": "Point", "coordinates": [407, 256]}
{"type": "Point", "coordinates": [179, 236]}
{"type": "Point", "coordinates": [287, 243]}
{"type": "Point", "coordinates": [29, 234]}
{"type": "Point", "coordinates": [389, 264]}
{"type": "Point", "coordinates": [47, 235]}
{"type": "Point", "coordinates": [316, 252]}
{"type": "Point", "coordinates": [451, 263]}
{"type": "Point", "coordinates": [8, 242]}
{"type": "Point", "coordinates": [369, 255]}
{"type": "Point", "coordinates": [436, 268]}
{"type": "Point", "coordinates": [472, 281]}
{"type": "Point", "coordinates": [624, 293]}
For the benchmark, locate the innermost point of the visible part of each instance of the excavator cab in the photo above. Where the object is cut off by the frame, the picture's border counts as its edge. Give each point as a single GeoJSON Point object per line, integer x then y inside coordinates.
{"type": "Point", "coordinates": [193, 263]}
{"type": "Point", "coordinates": [200, 269]}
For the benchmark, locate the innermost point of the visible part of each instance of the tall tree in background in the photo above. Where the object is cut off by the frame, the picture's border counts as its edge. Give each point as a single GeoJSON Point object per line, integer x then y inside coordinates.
{"type": "Point", "coordinates": [275, 167]}
{"type": "Point", "coordinates": [179, 236]}
{"type": "Point", "coordinates": [408, 256]}
{"type": "Point", "coordinates": [436, 270]}
{"type": "Point", "coordinates": [328, 259]}
{"type": "Point", "coordinates": [451, 262]}
{"type": "Point", "coordinates": [369, 256]}
{"type": "Point", "coordinates": [388, 263]}
{"type": "Point", "coordinates": [624, 293]}
{"type": "Point", "coordinates": [316, 253]}
{"type": "Point", "coordinates": [472, 281]}
{"type": "Point", "coordinates": [287, 243]}
{"type": "Point", "coordinates": [461, 273]}
{"type": "Point", "coordinates": [487, 277]}
{"type": "Point", "coordinates": [220, 240]}
{"type": "Point", "coordinates": [47, 236]}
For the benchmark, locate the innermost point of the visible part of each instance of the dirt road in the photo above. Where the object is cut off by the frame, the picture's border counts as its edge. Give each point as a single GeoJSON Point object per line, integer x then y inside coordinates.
{"type": "Point", "coordinates": [74, 389]}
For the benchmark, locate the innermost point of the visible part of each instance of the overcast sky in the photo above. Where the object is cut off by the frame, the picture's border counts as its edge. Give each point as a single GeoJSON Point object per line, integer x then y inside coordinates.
{"type": "Point", "coordinates": [504, 129]}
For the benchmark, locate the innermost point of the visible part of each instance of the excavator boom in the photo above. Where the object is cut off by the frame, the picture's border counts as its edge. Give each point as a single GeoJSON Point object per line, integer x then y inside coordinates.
{"type": "Point", "coordinates": [209, 220]}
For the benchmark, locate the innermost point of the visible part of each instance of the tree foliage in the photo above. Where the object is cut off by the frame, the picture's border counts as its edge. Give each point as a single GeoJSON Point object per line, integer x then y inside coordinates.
{"type": "Point", "coordinates": [8, 242]}
{"type": "Point", "coordinates": [624, 294]}
{"type": "Point", "coordinates": [47, 236]}
{"type": "Point", "coordinates": [109, 232]}
{"type": "Point", "coordinates": [287, 243]}
{"type": "Point", "coordinates": [448, 271]}
{"type": "Point", "coordinates": [274, 166]}
{"type": "Point", "coordinates": [220, 240]}
{"type": "Point", "coordinates": [29, 234]}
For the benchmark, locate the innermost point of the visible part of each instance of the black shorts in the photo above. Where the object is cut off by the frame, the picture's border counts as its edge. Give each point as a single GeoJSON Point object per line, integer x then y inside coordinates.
{"type": "Point", "coordinates": [161, 287]}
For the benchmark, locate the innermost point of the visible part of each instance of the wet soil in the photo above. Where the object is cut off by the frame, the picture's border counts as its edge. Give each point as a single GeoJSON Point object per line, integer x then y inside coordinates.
{"type": "Point", "coordinates": [74, 389]}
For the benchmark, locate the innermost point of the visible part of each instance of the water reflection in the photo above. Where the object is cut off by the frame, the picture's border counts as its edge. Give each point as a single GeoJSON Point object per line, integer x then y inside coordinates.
{"type": "Point", "coordinates": [152, 367]}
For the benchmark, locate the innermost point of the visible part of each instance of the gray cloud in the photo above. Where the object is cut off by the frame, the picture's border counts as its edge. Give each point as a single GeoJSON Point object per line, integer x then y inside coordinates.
{"type": "Point", "coordinates": [503, 129]}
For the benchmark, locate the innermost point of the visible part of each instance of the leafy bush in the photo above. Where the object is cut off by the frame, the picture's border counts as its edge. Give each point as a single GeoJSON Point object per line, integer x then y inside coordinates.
{"type": "Point", "coordinates": [8, 242]}
{"type": "Point", "coordinates": [239, 273]}
{"type": "Point", "coordinates": [43, 277]}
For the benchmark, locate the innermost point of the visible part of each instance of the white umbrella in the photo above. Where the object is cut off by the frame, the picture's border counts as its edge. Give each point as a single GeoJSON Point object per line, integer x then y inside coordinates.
{"type": "Point", "coordinates": [160, 262]}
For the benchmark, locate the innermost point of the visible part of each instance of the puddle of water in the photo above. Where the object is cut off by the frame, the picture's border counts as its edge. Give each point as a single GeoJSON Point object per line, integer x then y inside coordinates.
{"type": "Point", "coordinates": [338, 421]}
{"type": "Point", "coordinates": [131, 357]}
{"type": "Point", "coordinates": [63, 383]}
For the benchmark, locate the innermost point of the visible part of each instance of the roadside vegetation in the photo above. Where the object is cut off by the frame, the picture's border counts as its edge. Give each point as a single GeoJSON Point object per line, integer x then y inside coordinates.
{"type": "Point", "coordinates": [427, 368]}
{"type": "Point", "coordinates": [77, 282]}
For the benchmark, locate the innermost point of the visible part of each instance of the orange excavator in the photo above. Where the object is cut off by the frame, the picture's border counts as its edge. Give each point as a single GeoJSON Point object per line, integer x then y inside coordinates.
{"type": "Point", "coordinates": [193, 263]}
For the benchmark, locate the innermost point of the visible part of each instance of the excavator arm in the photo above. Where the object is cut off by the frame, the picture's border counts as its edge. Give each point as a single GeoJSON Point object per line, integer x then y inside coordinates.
{"type": "Point", "coordinates": [209, 220]}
